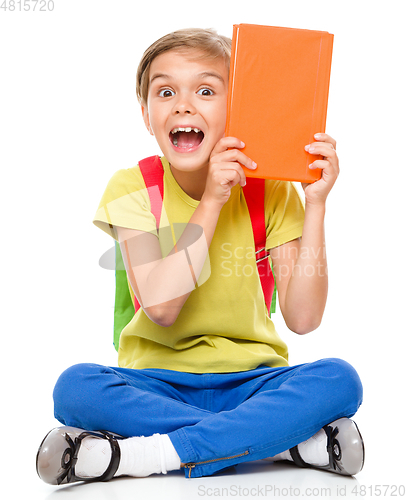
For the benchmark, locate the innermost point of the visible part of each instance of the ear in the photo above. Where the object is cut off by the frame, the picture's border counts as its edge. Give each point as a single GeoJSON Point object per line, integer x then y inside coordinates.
{"type": "Point", "coordinates": [146, 118]}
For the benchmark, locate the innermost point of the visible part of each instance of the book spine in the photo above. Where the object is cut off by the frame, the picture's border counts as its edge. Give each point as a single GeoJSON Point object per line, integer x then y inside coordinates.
{"type": "Point", "coordinates": [318, 119]}
{"type": "Point", "coordinates": [329, 50]}
{"type": "Point", "coordinates": [232, 70]}
{"type": "Point", "coordinates": [323, 82]}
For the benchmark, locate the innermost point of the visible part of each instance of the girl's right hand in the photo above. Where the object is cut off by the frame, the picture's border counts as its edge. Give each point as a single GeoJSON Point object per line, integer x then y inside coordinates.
{"type": "Point", "coordinates": [225, 170]}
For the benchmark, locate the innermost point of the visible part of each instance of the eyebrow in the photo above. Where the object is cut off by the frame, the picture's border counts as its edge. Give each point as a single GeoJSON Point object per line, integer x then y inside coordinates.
{"type": "Point", "coordinates": [159, 75]}
{"type": "Point", "coordinates": [204, 74]}
{"type": "Point", "coordinates": [207, 74]}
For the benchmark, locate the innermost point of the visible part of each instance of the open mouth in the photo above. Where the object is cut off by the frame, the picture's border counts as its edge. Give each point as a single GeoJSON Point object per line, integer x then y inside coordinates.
{"type": "Point", "coordinates": [186, 139]}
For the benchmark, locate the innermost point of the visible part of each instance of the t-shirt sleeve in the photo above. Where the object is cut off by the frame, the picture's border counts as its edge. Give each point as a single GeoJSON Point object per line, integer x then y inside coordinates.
{"type": "Point", "coordinates": [125, 203]}
{"type": "Point", "coordinates": [284, 212]}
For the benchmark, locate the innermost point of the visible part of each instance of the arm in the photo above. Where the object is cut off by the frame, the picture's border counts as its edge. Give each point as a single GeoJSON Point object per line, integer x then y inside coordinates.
{"type": "Point", "coordinates": [162, 286]}
{"type": "Point", "coordinates": [300, 265]}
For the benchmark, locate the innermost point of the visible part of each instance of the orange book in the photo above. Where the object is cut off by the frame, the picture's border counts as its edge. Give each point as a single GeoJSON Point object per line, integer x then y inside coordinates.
{"type": "Point", "coordinates": [278, 97]}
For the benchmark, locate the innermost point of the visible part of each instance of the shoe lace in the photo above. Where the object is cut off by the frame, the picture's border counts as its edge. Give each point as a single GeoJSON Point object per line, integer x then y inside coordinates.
{"type": "Point", "coordinates": [68, 460]}
{"type": "Point", "coordinates": [333, 448]}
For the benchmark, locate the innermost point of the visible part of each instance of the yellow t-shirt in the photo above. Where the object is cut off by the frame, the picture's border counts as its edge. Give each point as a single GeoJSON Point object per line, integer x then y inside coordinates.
{"type": "Point", "coordinates": [224, 325]}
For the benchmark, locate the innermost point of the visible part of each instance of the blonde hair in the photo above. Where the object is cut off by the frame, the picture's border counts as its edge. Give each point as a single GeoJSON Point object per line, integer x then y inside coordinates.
{"type": "Point", "coordinates": [207, 41]}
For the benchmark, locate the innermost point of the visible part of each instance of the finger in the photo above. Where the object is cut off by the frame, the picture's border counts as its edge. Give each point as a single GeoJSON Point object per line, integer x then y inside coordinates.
{"type": "Point", "coordinates": [320, 136]}
{"type": "Point", "coordinates": [235, 155]}
{"type": "Point", "coordinates": [226, 143]}
{"type": "Point", "coordinates": [232, 176]}
{"type": "Point", "coordinates": [321, 148]}
{"type": "Point", "coordinates": [231, 180]}
{"type": "Point", "coordinates": [322, 164]}
{"type": "Point", "coordinates": [232, 172]}
{"type": "Point", "coordinates": [326, 167]}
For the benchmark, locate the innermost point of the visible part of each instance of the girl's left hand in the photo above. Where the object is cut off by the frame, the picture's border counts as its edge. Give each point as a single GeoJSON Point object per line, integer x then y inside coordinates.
{"type": "Point", "coordinates": [317, 192]}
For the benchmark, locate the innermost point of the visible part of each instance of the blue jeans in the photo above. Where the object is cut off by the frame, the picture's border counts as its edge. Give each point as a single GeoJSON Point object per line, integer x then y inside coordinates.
{"type": "Point", "coordinates": [213, 420]}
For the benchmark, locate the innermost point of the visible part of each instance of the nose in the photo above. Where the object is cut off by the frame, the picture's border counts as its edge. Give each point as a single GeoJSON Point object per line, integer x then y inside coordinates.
{"type": "Point", "coordinates": [184, 105]}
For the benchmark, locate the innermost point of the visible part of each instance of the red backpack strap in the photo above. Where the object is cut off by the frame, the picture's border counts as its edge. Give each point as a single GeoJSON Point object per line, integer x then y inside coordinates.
{"type": "Point", "coordinates": [152, 171]}
{"type": "Point", "coordinates": [153, 174]}
{"type": "Point", "coordinates": [254, 195]}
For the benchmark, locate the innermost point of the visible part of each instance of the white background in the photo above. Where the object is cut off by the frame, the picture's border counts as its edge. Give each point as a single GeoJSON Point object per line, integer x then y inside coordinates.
{"type": "Point", "coordinates": [69, 118]}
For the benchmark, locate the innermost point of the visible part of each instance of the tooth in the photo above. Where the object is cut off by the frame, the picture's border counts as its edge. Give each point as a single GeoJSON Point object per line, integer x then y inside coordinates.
{"type": "Point", "coordinates": [186, 129]}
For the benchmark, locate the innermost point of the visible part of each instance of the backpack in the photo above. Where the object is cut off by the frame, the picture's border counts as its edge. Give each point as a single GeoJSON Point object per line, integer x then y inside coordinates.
{"type": "Point", "coordinates": [126, 304]}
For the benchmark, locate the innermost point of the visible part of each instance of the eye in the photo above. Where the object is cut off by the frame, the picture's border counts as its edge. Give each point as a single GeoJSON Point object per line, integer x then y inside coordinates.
{"type": "Point", "coordinates": [205, 92]}
{"type": "Point", "coordinates": [166, 93]}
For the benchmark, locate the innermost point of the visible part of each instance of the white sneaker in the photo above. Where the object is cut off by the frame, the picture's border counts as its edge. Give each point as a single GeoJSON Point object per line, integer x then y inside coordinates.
{"type": "Point", "coordinates": [345, 449]}
{"type": "Point", "coordinates": [58, 453]}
